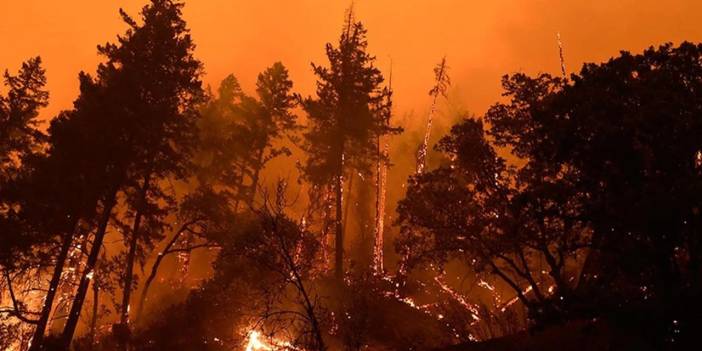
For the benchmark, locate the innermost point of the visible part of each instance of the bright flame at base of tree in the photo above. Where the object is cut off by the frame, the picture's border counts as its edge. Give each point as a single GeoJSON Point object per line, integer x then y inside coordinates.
{"type": "Point", "coordinates": [257, 342]}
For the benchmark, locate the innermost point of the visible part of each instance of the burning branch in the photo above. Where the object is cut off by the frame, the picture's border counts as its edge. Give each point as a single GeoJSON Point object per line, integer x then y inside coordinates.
{"type": "Point", "coordinates": [441, 84]}
{"type": "Point", "coordinates": [560, 54]}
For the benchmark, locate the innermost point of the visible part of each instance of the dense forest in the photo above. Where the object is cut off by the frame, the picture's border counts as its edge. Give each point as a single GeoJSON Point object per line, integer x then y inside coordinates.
{"type": "Point", "coordinates": [159, 213]}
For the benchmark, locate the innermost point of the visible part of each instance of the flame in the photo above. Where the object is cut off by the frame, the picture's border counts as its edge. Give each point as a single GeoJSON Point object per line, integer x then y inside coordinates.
{"type": "Point", "coordinates": [256, 343]}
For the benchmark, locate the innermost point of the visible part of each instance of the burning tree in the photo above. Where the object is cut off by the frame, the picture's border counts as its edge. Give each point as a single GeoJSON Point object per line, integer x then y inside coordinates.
{"type": "Point", "coordinates": [41, 199]}
{"type": "Point", "coordinates": [345, 120]}
{"type": "Point", "coordinates": [521, 227]}
{"type": "Point", "coordinates": [441, 84]}
{"type": "Point", "coordinates": [289, 251]}
{"type": "Point", "coordinates": [625, 135]}
{"type": "Point", "coordinates": [134, 125]}
{"type": "Point", "coordinates": [262, 291]}
{"type": "Point", "coordinates": [202, 218]}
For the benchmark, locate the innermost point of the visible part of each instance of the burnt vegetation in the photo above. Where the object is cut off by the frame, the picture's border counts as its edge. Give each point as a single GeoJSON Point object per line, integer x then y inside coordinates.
{"type": "Point", "coordinates": [159, 214]}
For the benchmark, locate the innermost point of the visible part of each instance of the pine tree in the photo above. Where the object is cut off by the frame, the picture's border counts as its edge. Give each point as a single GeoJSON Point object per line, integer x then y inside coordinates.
{"type": "Point", "coordinates": [19, 109]}
{"type": "Point", "coordinates": [240, 134]}
{"type": "Point", "coordinates": [260, 125]}
{"type": "Point", "coordinates": [237, 137]}
{"type": "Point", "coordinates": [345, 119]}
{"type": "Point", "coordinates": [144, 101]}
{"type": "Point", "coordinates": [275, 100]}
{"type": "Point", "coordinates": [20, 139]}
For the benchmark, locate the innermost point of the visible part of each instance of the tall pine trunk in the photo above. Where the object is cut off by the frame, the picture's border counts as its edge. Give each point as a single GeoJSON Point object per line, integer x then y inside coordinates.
{"type": "Point", "coordinates": [38, 339]}
{"type": "Point", "coordinates": [94, 317]}
{"type": "Point", "coordinates": [339, 245]}
{"type": "Point", "coordinates": [255, 178]}
{"type": "Point", "coordinates": [131, 256]}
{"type": "Point", "coordinates": [347, 206]}
{"type": "Point", "coordinates": [380, 192]}
{"type": "Point", "coordinates": [72, 321]}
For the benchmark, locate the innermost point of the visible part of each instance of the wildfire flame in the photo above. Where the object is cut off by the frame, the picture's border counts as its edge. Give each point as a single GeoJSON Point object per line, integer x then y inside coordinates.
{"type": "Point", "coordinates": [380, 212]}
{"type": "Point", "coordinates": [256, 342]}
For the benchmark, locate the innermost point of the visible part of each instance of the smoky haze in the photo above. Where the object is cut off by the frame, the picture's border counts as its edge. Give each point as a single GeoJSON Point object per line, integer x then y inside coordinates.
{"type": "Point", "coordinates": [482, 39]}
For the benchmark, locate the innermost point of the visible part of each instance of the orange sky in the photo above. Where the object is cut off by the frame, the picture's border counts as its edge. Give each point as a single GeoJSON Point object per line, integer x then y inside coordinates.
{"type": "Point", "coordinates": [482, 39]}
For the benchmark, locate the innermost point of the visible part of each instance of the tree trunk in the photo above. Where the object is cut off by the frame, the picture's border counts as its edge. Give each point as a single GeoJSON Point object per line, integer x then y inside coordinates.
{"type": "Point", "coordinates": [307, 302]}
{"type": "Point", "coordinates": [94, 317]}
{"type": "Point", "coordinates": [339, 245]}
{"type": "Point", "coordinates": [38, 339]}
{"type": "Point", "coordinates": [326, 225]}
{"type": "Point", "coordinates": [347, 206]}
{"type": "Point", "coordinates": [380, 192]}
{"type": "Point", "coordinates": [156, 265]}
{"type": "Point", "coordinates": [72, 321]}
{"type": "Point", "coordinates": [309, 308]}
{"type": "Point", "coordinates": [255, 178]}
{"type": "Point", "coordinates": [131, 256]}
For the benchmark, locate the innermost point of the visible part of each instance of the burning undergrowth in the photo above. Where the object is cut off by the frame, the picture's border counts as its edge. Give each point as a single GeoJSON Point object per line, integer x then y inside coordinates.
{"type": "Point", "coordinates": [271, 290]}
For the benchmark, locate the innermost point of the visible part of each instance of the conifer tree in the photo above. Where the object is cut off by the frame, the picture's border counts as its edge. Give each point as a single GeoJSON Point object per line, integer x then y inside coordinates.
{"type": "Point", "coordinates": [345, 119]}
{"type": "Point", "coordinates": [20, 138]}
{"type": "Point", "coordinates": [19, 109]}
{"type": "Point", "coordinates": [144, 100]}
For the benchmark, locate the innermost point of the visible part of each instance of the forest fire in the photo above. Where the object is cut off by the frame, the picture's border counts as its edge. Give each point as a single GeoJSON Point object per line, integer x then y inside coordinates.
{"type": "Point", "coordinates": [148, 207]}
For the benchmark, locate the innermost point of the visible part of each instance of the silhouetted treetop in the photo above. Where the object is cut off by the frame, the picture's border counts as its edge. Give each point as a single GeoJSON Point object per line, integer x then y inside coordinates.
{"type": "Point", "coordinates": [19, 109]}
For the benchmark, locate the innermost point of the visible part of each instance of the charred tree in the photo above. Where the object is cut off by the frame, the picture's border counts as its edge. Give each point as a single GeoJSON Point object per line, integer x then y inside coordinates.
{"type": "Point", "coordinates": [441, 84]}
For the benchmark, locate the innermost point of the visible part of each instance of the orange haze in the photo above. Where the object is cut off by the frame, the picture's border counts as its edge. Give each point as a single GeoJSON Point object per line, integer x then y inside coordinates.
{"type": "Point", "coordinates": [482, 39]}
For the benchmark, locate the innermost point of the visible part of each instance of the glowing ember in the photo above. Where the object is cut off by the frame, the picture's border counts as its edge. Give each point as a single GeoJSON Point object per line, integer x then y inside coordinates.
{"type": "Point", "coordinates": [459, 298]}
{"type": "Point", "coordinates": [486, 285]}
{"type": "Point", "coordinates": [560, 54]}
{"type": "Point", "coordinates": [382, 174]}
{"type": "Point", "coordinates": [515, 299]}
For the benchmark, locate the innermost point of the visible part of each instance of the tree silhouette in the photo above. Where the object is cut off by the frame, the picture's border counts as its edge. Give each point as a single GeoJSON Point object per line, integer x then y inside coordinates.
{"type": "Point", "coordinates": [20, 139]}
{"type": "Point", "coordinates": [479, 210]}
{"type": "Point", "coordinates": [19, 109]}
{"type": "Point", "coordinates": [608, 160]}
{"type": "Point", "coordinates": [345, 119]}
{"type": "Point", "coordinates": [626, 132]}
{"type": "Point", "coordinates": [241, 134]}
{"type": "Point", "coordinates": [144, 99]}
{"type": "Point", "coordinates": [261, 123]}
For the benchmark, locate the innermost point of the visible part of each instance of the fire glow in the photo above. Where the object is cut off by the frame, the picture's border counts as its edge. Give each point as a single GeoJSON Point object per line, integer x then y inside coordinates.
{"type": "Point", "coordinates": [256, 342]}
